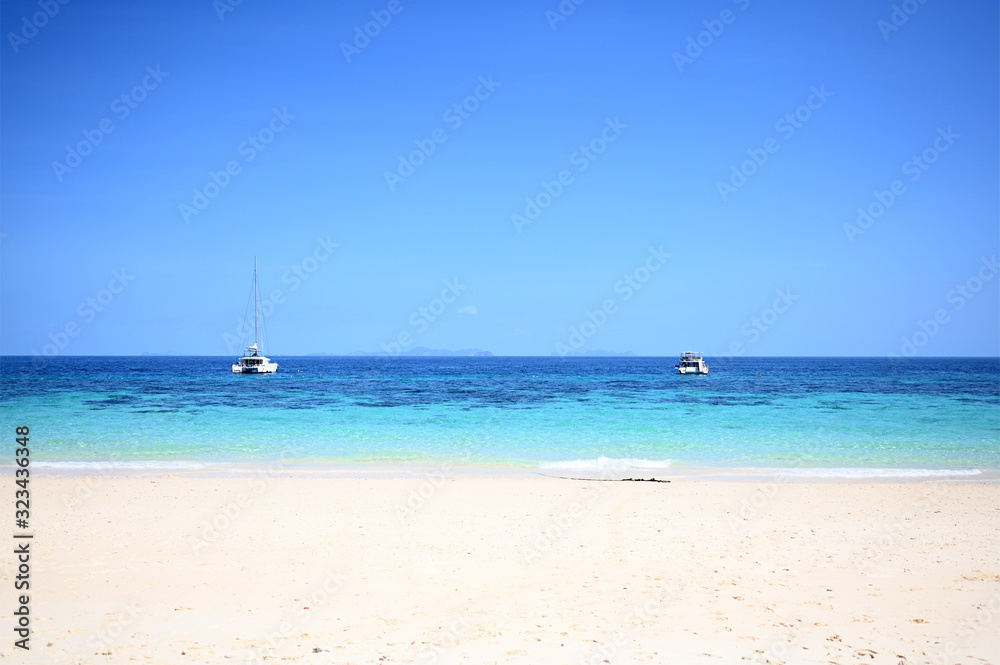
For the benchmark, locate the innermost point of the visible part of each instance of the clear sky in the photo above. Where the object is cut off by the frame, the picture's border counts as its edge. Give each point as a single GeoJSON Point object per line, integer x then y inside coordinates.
{"type": "Point", "coordinates": [634, 127]}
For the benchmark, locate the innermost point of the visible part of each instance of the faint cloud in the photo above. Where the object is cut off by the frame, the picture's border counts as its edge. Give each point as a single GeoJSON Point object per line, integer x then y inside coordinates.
{"type": "Point", "coordinates": [469, 309]}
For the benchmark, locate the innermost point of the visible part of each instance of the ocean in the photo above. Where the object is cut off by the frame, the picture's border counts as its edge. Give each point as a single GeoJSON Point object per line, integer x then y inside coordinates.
{"type": "Point", "coordinates": [819, 416]}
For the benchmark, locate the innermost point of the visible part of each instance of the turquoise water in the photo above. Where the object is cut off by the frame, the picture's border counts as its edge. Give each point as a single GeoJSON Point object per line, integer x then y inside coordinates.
{"type": "Point", "coordinates": [550, 412]}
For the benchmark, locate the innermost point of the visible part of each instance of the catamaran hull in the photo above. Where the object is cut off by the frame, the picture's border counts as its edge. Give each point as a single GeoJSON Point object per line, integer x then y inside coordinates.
{"type": "Point", "coordinates": [264, 368]}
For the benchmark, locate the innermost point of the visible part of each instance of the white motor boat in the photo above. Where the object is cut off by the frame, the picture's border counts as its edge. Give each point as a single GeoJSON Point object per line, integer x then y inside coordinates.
{"type": "Point", "coordinates": [692, 363]}
{"type": "Point", "coordinates": [254, 361]}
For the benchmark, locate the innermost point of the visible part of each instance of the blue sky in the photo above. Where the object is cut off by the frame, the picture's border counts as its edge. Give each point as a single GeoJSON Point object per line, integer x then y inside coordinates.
{"type": "Point", "coordinates": [765, 268]}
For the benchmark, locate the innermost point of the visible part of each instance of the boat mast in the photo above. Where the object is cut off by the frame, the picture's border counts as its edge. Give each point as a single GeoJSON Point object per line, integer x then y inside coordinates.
{"type": "Point", "coordinates": [256, 297]}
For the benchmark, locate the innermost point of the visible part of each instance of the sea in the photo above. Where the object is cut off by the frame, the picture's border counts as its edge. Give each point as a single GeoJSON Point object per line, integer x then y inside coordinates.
{"type": "Point", "coordinates": [853, 417]}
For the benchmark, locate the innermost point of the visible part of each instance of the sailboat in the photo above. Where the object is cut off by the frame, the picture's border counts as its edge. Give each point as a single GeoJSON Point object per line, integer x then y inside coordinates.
{"type": "Point", "coordinates": [253, 361]}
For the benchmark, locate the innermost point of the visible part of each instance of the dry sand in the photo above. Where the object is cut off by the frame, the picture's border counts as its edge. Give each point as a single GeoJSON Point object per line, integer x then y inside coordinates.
{"type": "Point", "coordinates": [272, 568]}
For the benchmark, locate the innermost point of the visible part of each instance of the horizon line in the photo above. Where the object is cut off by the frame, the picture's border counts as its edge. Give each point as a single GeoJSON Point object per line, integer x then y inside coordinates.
{"type": "Point", "coordinates": [624, 354]}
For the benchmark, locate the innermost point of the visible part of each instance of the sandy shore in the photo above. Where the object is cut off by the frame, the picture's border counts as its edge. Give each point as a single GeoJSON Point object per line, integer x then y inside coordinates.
{"type": "Point", "coordinates": [271, 568]}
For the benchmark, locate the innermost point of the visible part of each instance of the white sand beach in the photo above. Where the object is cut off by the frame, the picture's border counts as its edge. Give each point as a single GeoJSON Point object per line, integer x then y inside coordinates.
{"type": "Point", "coordinates": [279, 568]}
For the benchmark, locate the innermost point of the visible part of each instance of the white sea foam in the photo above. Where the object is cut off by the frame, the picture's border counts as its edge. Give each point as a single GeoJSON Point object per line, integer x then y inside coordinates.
{"type": "Point", "coordinates": [98, 466]}
{"type": "Point", "coordinates": [858, 472]}
{"type": "Point", "coordinates": [606, 463]}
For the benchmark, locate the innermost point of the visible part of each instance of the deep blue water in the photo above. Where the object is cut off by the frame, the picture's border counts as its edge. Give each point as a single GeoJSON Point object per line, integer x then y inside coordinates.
{"type": "Point", "coordinates": [759, 412]}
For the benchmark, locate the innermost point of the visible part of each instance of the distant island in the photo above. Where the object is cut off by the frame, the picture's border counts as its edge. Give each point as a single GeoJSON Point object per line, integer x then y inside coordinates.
{"type": "Point", "coordinates": [598, 353]}
{"type": "Point", "coordinates": [417, 351]}
{"type": "Point", "coordinates": [424, 352]}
